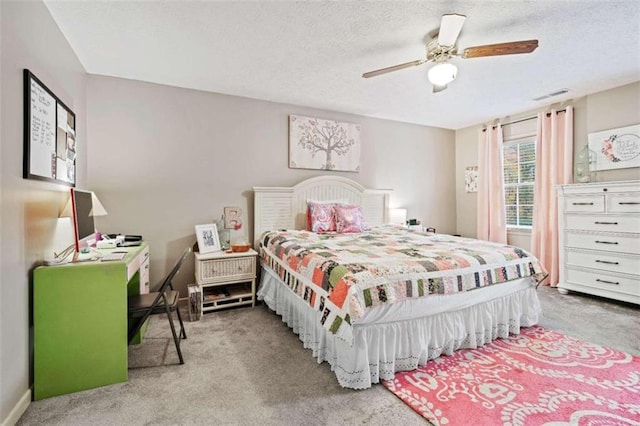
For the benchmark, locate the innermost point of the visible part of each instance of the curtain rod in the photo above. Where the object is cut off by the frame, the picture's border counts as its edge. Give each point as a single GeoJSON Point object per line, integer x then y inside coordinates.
{"type": "Point", "coordinates": [524, 119]}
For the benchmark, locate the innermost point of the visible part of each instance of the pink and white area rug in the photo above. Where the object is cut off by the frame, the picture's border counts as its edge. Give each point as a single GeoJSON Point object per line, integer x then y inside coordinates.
{"type": "Point", "coordinates": [539, 377]}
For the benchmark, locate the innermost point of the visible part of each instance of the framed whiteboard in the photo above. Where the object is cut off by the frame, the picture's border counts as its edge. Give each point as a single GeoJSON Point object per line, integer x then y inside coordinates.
{"type": "Point", "coordinates": [49, 135]}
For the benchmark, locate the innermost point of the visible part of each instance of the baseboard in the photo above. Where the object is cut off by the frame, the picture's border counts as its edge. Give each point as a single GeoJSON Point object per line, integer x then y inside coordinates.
{"type": "Point", "coordinates": [18, 410]}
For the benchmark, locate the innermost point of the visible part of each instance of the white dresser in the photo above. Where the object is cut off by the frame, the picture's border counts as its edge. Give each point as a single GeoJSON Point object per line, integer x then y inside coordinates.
{"type": "Point", "coordinates": [599, 239]}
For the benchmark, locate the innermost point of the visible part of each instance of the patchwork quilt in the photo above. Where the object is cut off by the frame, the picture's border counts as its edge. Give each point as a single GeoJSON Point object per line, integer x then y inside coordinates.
{"type": "Point", "coordinates": [342, 275]}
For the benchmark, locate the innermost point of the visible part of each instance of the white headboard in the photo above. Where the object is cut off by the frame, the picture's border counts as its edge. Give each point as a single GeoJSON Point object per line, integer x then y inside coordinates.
{"type": "Point", "coordinates": [286, 207]}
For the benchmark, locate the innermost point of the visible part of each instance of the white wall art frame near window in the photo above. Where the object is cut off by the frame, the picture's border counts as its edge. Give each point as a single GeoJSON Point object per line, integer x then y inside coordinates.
{"type": "Point", "coordinates": [323, 144]}
{"type": "Point", "coordinates": [616, 148]}
{"type": "Point", "coordinates": [471, 179]}
{"type": "Point", "coordinates": [207, 236]}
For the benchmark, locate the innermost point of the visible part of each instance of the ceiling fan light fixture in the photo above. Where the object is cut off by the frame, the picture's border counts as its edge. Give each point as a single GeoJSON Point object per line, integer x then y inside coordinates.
{"type": "Point", "coordinates": [442, 74]}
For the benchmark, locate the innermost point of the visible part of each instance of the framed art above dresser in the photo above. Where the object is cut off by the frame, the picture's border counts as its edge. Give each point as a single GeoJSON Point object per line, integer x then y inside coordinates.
{"type": "Point", "coordinates": [599, 239]}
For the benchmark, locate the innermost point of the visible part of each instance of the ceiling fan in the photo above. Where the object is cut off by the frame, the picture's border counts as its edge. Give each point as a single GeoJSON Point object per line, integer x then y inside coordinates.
{"type": "Point", "coordinates": [444, 47]}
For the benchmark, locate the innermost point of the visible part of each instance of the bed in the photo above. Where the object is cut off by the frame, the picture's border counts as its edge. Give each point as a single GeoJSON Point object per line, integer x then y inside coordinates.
{"type": "Point", "coordinates": [385, 305]}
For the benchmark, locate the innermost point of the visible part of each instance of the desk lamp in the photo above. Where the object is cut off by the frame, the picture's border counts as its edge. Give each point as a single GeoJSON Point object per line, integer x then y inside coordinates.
{"type": "Point", "coordinates": [398, 216]}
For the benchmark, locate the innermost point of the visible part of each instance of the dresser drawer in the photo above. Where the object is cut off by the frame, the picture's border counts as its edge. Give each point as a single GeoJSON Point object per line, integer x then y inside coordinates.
{"type": "Point", "coordinates": [606, 261]}
{"type": "Point", "coordinates": [623, 203]}
{"type": "Point", "coordinates": [608, 223]}
{"type": "Point", "coordinates": [220, 270]}
{"type": "Point", "coordinates": [604, 281]}
{"type": "Point", "coordinates": [585, 204]}
{"type": "Point", "coordinates": [623, 243]}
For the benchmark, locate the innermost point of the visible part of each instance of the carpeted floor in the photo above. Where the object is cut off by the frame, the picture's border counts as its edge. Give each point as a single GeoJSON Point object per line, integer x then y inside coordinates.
{"type": "Point", "coordinates": [244, 366]}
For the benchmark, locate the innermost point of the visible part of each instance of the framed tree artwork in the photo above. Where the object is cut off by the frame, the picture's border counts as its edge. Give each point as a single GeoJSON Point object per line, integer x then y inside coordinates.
{"type": "Point", "coordinates": [323, 144]}
{"type": "Point", "coordinates": [49, 135]}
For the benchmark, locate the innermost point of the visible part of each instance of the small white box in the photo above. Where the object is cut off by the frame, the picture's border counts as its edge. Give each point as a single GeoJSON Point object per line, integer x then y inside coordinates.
{"type": "Point", "coordinates": [106, 244]}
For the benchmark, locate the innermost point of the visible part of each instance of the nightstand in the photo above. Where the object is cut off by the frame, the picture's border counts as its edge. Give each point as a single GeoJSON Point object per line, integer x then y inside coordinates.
{"type": "Point", "coordinates": [226, 279]}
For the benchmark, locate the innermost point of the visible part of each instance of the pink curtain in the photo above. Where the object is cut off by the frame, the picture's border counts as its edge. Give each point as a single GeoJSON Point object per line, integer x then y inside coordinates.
{"type": "Point", "coordinates": [492, 220]}
{"type": "Point", "coordinates": [554, 166]}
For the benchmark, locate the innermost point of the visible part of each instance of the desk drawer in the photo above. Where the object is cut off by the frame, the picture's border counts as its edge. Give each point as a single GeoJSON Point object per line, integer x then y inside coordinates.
{"type": "Point", "coordinates": [607, 223]}
{"type": "Point", "coordinates": [144, 275]}
{"type": "Point", "coordinates": [211, 271]}
{"type": "Point", "coordinates": [622, 243]}
{"type": "Point", "coordinates": [136, 263]}
{"type": "Point", "coordinates": [585, 204]}
{"type": "Point", "coordinates": [613, 262]}
{"type": "Point", "coordinates": [604, 281]}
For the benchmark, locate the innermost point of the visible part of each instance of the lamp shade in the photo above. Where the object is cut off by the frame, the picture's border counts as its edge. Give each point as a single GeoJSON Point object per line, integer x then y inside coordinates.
{"type": "Point", "coordinates": [97, 209]}
{"type": "Point", "coordinates": [398, 216]}
{"type": "Point", "coordinates": [442, 74]}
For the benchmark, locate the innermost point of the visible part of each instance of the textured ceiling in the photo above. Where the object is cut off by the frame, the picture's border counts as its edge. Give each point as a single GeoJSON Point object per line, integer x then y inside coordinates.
{"type": "Point", "coordinates": [314, 53]}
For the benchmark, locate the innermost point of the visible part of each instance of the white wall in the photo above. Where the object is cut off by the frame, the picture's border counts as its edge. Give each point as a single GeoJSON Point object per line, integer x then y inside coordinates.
{"type": "Point", "coordinates": [29, 39]}
{"type": "Point", "coordinates": [612, 108]}
{"type": "Point", "coordinates": [163, 159]}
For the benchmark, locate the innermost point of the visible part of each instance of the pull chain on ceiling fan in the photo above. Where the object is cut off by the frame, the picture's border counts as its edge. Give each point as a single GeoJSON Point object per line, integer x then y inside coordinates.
{"type": "Point", "coordinates": [443, 48]}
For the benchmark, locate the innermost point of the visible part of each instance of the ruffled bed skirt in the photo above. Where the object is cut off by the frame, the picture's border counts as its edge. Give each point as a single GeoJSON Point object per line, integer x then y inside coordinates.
{"type": "Point", "coordinates": [380, 350]}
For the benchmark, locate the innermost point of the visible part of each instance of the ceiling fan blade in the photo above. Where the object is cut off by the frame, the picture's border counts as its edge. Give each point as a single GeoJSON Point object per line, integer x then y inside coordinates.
{"type": "Point", "coordinates": [439, 88]}
{"type": "Point", "coordinates": [393, 68]}
{"type": "Point", "coordinates": [510, 48]}
{"type": "Point", "coordinates": [450, 27]}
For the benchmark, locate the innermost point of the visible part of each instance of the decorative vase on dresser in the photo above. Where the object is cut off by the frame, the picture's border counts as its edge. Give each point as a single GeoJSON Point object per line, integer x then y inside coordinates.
{"type": "Point", "coordinates": [599, 239]}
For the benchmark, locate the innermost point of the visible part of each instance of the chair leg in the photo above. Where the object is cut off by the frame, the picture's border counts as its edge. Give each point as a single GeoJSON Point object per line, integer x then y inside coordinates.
{"type": "Point", "coordinates": [183, 333]}
{"type": "Point", "coordinates": [176, 340]}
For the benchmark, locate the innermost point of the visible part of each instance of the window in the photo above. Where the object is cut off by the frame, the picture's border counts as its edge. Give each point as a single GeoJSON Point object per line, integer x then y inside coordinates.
{"type": "Point", "coordinates": [519, 162]}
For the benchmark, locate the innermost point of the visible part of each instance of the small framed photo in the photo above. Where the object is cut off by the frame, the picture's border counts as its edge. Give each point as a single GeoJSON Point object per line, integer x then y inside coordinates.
{"type": "Point", "coordinates": [207, 236]}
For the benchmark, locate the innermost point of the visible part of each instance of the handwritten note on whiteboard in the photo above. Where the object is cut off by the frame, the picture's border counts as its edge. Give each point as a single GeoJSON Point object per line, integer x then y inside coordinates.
{"type": "Point", "coordinates": [42, 131]}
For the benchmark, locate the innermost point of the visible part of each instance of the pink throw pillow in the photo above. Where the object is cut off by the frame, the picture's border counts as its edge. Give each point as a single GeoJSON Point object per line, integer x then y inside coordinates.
{"type": "Point", "coordinates": [349, 219]}
{"type": "Point", "coordinates": [322, 217]}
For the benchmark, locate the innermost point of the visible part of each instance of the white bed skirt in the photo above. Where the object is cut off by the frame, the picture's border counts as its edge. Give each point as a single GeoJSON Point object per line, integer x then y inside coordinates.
{"type": "Point", "coordinates": [389, 345]}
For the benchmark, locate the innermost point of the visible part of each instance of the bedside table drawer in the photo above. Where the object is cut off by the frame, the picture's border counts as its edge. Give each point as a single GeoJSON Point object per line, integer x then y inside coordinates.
{"type": "Point", "coordinates": [222, 270]}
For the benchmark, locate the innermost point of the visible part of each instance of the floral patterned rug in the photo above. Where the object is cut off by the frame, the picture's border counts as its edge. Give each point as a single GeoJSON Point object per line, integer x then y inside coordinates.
{"type": "Point", "coordinates": [540, 377]}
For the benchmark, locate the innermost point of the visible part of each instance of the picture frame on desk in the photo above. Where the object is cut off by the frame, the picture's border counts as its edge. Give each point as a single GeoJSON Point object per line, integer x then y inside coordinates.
{"type": "Point", "coordinates": [207, 237]}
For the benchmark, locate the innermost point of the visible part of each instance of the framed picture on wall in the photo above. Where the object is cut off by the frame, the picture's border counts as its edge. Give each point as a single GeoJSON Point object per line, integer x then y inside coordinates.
{"type": "Point", "coordinates": [323, 144]}
{"type": "Point", "coordinates": [615, 148]}
{"type": "Point", "coordinates": [207, 237]}
{"type": "Point", "coordinates": [50, 143]}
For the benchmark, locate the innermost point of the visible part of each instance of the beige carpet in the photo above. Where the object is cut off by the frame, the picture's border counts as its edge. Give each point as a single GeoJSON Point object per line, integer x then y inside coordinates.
{"type": "Point", "coordinates": [244, 366]}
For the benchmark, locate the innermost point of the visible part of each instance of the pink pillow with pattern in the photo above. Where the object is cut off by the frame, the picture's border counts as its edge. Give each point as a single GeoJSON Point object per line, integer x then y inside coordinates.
{"type": "Point", "coordinates": [349, 219]}
{"type": "Point", "coordinates": [322, 217]}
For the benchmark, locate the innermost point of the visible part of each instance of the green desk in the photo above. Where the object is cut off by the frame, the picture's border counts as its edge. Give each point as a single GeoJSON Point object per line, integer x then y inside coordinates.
{"type": "Point", "coordinates": [80, 321]}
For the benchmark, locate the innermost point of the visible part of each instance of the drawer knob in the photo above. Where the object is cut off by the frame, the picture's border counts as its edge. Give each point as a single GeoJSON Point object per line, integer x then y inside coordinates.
{"type": "Point", "coordinates": [582, 204]}
{"type": "Point", "coordinates": [606, 223]}
{"type": "Point", "coordinates": [607, 282]}
{"type": "Point", "coordinates": [606, 242]}
{"type": "Point", "coordinates": [628, 203]}
{"type": "Point", "coordinates": [607, 262]}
